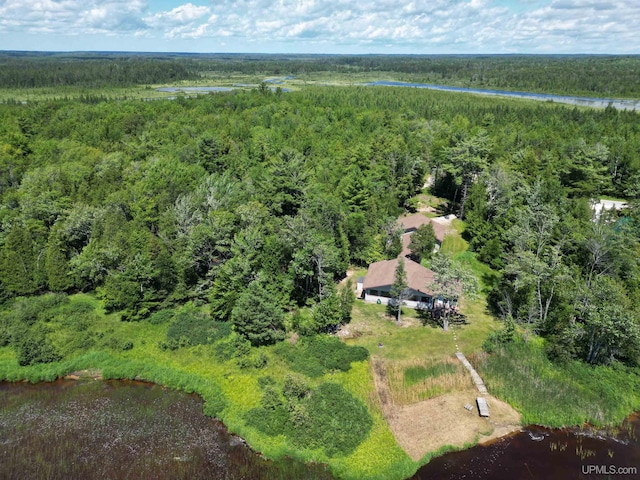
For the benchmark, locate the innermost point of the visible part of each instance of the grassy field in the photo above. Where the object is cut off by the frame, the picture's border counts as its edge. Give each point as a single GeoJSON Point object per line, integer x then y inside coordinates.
{"type": "Point", "coordinates": [373, 329]}
{"type": "Point", "coordinates": [559, 395]}
{"type": "Point", "coordinates": [414, 380]}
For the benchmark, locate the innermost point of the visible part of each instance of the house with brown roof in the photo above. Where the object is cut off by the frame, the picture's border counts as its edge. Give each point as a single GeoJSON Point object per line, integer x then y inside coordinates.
{"type": "Point", "coordinates": [376, 287]}
{"type": "Point", "coordinates": [411, 223]}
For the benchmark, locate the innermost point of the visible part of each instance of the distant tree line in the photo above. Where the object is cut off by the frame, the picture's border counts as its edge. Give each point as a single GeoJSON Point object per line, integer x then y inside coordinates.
{"type": "Point", "coordinates": [93, 73]}
{"type": "Point", "coordinates": [591, 75]}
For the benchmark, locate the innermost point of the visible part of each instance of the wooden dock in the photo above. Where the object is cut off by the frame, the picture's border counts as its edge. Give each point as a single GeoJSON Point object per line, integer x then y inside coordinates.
{"type": "Point", "coordinates": [477, 380]}
{"type": "Point", "coordinates": [483, 406]}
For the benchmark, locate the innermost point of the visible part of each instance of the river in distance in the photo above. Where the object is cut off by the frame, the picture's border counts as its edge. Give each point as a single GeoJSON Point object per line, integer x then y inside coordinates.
{"type": "Point", "coordinates": [620, 104]}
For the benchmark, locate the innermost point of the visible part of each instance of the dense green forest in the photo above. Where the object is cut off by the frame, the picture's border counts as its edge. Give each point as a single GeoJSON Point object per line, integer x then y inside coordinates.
{"type": "Point", "coordinates": [90, 71]}
{"type": "Point", "coordinates": [253, 197]}
{"type": "Point", "coordinates": [220, 225]}
{"type": "Point", "coordinates": [596, 76]}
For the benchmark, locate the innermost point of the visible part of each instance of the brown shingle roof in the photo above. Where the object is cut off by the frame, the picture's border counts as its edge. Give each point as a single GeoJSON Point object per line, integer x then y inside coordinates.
{"type": "Point", "coordinates": [413, 222]}
{"type": "Point", "coordinates": [440, 230]}
{"type": "Point", "coordinates": [382, 274]}
{"type": "Point", "coordinates": [406, 240]}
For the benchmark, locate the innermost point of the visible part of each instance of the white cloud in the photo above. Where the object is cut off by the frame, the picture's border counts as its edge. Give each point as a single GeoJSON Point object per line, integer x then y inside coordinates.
{"type": "Point", "coordinates": [181, 15]}
{"type": "Point", "coordinates": [184, 21]}
{"type": "Point", "coordinates": [417, 26]}
{"type": "Point", "coordinates": [72, 16]}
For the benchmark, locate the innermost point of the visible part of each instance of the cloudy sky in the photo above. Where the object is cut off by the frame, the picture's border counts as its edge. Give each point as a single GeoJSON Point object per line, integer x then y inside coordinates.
{"type": "Point", "coordinates": [323, 26]}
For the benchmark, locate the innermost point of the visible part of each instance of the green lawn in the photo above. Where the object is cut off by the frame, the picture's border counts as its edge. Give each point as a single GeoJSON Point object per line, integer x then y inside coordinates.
{"type": "Point", "coordinates": [370, 327]}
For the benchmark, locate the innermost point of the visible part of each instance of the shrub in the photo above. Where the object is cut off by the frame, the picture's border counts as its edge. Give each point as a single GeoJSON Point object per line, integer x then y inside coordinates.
{"type": "Point", "coordinates": [266, 381]}
{"type": "Point", "coordinates": [329, 417]}
{"type": "Point", "coordinates": [161, 316]}
{"type": "Point", "coordinates": [314, 356]}
{"type": "Point", "coordinates": [260, 360]}
{"type": "Point", "coordinates": [25, 311]}
{"type": "Point", "coordinates": [271, 399]}
{"type": "Point", "coordinates": [299, 417]}
{"type": "Point", "coordinates": [79, 307]}
{"type": "Point", "coordinates": [271, 417]}
{"type": "Point", "coordinates": [504, 336]}
{"type": "Point", "coordinates": [78, 315]}
{"type": "Point", "coordinates": [233, 347]}
{"type": "Point", "coordinates": [295, 388]}
{"type": "Point", "coordinates": [32, 346]}
{"type": "Point", "coordinates": [50, 301]}
{"type": "Point", "coordinates": [337, 422]}
{"type": "Point", "coordinates": [269, 422]}
{"type": "Point", "coordinates": [190, 327]}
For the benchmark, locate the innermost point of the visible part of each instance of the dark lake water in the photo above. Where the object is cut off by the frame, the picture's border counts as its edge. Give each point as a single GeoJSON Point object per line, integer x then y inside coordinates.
{"type": "Point", "coordinates": [580, 101]}
{"type": "Point", "coordinates": [539, 453]}
{"type": "Point", "coordinates": [134, 430]}
{"type": "Point", "coordinates": [123, 430]}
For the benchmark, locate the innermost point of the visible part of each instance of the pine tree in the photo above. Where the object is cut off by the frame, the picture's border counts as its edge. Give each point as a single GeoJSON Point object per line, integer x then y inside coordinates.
{"type": "Point", "coordinates": [18, 262]}
{"type": "Point", "coordinates": [56, 263]}
{"type": "Point", "coordinates": [399, 287]}
{"type": "Point", "coordinates": [256, 316]}
{"type": "Point", "coordinates": [423, 241]}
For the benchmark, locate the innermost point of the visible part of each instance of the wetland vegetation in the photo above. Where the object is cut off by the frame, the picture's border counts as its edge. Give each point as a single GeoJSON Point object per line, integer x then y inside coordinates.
{"type": "Point", "coordinates": [203, 244]}
{"type": "Point", "coordinates": [120, 430]}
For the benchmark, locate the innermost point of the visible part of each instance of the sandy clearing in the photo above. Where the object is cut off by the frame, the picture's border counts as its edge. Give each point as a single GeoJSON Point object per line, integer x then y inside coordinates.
{"type": "Point", "coordinates": [428, 425]}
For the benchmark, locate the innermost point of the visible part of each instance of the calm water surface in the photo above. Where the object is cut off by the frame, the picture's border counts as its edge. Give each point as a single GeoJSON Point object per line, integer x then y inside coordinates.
{"type": "Point", "coordinates": [133, 430]}
{"type": "Point", "coordinates": [539, 453]}
{"type": "Point", "coordinates": [619, 104]}
{"type": "Point", "coordinates": [194, 89]}
{"type": "Point", "coordinates": [123, 430]}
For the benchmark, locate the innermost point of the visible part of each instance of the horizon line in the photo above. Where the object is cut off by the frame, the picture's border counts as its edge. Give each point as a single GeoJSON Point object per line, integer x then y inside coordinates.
{"type": "Point", "coordinates": [151, 52]}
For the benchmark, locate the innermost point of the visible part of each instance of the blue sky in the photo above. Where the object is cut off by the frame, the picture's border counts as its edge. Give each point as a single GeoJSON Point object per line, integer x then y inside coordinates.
{"type": "Point", "coordinates": [323, 26]}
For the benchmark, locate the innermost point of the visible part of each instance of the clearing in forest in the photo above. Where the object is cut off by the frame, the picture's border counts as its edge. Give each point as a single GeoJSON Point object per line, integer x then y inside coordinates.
{"type": "Point", "coordinates": [428, 425]}
{"type": "Point", "coordinates": [421, 386]}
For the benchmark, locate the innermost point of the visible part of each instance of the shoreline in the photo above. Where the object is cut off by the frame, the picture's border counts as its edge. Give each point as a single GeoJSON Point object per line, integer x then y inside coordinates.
{"type": "Point", "coordinates": [500, 431]}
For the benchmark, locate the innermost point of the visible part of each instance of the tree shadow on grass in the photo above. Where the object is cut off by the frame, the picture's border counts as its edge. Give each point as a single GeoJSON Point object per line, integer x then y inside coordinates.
{"type": "Point", "coordinates": [435, 317]}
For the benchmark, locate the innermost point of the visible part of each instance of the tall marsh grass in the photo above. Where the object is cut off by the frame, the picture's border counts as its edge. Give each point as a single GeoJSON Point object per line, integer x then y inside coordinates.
{"type": "Point", "coordinates": [558, 395]}
{"type": "Point", "coordinates": [415, 380]}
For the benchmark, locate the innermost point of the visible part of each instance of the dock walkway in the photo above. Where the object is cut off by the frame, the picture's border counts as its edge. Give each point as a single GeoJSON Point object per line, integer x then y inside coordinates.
{"type": "Point", "coordinates": [474, 375]}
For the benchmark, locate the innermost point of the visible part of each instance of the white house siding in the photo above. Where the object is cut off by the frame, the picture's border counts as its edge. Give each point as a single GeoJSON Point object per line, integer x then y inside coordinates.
{"type": "Point", "coordinates": [384, 300]}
